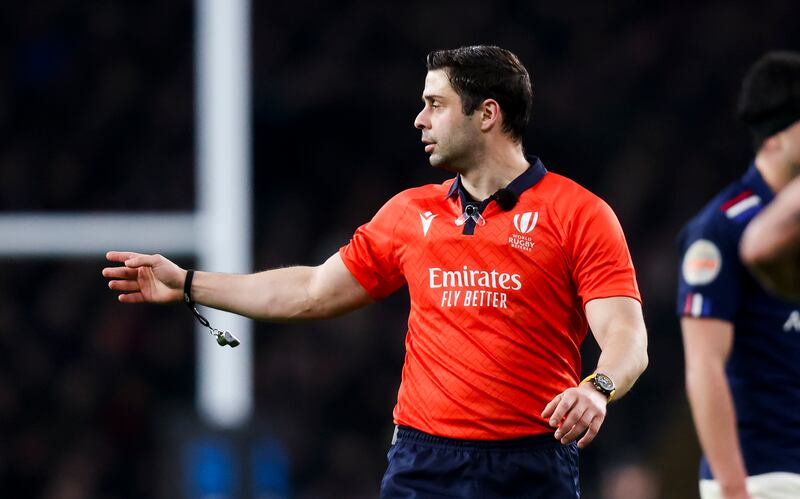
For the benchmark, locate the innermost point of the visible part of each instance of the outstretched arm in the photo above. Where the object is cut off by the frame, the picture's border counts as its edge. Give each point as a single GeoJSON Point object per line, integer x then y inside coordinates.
{"type": "Point", "coordinates": [286, 294]}
{"type": "Point", "coordinates": [618, 326]}
{"type": "Point", "coordinates": [770, 245]}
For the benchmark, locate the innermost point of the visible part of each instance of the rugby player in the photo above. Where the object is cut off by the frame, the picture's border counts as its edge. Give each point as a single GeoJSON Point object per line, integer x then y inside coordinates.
{"type": "Point", "coordinates": [742, 344]}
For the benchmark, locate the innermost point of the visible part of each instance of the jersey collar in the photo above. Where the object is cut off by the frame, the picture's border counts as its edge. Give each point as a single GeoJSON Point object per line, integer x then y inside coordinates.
{"type": "Point", "coordinates": [755, 181]}
{"type": "Point", "coordinates": [525, 181]}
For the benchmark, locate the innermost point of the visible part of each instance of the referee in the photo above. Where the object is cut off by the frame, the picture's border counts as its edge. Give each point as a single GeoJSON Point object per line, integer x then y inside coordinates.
{"type": "Point", "coordinates": [507, 266]}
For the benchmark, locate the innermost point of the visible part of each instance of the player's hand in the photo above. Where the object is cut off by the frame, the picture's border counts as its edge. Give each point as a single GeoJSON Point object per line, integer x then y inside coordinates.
{"type": "Point", "coordinates": [144, 278]}
{"type": "Point", "coordinates": [575, 411]}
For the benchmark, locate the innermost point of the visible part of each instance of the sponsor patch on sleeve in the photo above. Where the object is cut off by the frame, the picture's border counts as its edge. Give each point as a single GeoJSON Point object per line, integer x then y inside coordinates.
{"type": "Point", "coordinates": [701, 263]}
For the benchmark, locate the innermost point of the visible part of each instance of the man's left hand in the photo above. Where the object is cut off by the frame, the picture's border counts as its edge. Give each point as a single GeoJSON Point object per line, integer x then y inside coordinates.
{"type": "Point", "coordinates": [577, 410]}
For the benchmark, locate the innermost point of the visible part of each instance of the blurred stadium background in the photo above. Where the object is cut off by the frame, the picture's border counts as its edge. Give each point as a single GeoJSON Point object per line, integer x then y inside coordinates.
{"type": "Point", "coordinates": [97, 114]}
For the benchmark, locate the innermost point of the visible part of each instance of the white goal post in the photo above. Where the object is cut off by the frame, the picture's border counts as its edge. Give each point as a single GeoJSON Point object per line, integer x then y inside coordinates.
{"type": "Point", "coordinates": [218, 233]}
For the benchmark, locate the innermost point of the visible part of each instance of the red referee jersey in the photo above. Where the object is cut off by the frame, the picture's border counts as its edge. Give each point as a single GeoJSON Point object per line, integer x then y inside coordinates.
{"type": "Point", "coordinates": [497, 308]}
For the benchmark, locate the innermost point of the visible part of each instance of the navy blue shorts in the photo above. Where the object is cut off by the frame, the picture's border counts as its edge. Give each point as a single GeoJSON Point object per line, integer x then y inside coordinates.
{"type": "Point", "coordinates": [422, 466]}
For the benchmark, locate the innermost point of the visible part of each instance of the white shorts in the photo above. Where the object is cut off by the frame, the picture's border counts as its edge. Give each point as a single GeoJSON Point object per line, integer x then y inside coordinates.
{"type": "Point", "coordinates": [767, 486]}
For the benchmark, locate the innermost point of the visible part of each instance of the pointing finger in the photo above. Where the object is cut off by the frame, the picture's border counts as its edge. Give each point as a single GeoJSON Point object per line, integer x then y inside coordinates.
{"type": "Point", "coordinates": [124, 285]}
{"type": "Point", "coordinates": [120, 273]}
{"type": "Point", "coordinates": [141, 260]}
{"type": "Point", "coordinates": [120, 256]}
{"type": "Point", "coordinates": [131, 298]}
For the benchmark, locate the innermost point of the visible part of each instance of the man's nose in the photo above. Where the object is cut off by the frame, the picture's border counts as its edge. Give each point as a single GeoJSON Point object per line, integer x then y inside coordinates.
{"type": "Point", "coordinates": [421, 121]}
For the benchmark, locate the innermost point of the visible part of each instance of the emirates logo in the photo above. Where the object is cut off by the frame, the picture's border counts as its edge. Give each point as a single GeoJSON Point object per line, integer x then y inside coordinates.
{"type": "Point", "coordinates": [525, 222]}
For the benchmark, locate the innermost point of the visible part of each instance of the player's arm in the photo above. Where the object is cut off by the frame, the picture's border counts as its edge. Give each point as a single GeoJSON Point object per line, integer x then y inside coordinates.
{"type": "Point", "coordinates": [618, 326]}
{"type": "Point", "coordinates": [707, 344]}
{"type": "Point", "coordinates": [770, 245]}
{"type": "Point", "coordinates": [286, 294]}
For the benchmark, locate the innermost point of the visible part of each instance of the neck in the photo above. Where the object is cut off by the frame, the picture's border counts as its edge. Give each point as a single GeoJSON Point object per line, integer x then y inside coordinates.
{"type": "Point", "coordinates": [776, 173]}
{"type": "Point", "coordinates": [494, 170]}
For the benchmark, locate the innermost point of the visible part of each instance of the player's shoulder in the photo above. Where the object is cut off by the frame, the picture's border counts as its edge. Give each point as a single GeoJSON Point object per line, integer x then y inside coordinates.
{"type": "Point", "coordinates": [726, 213]}
{"type": "Point", "coordinates": [568, 194]}
{"type": "Point", "coordinates": [427, 192]}
{"type": "Point", "coordinates": [428, 196]}
{"type": "Point", "coordinates": [558, 183]}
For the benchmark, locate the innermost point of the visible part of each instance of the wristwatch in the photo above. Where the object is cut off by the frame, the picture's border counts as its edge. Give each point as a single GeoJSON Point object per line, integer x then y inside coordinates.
{"type": "Point", "coordinates": [602, 384]}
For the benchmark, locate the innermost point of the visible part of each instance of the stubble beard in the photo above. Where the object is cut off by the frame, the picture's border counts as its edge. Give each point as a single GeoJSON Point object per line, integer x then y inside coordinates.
{"type": "Point", "coordinates": [456, 155]}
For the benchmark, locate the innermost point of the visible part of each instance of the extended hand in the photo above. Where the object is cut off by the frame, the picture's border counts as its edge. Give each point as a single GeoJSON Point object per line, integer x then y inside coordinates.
{"type": "Point", "coordinates": [576, 410]}
{"type": "Point", "coordinates": [144, 278]}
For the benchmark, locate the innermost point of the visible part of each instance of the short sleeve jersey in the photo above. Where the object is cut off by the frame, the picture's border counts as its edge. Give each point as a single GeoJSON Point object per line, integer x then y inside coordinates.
{"type": "Point", "coordinates": [763, 369]}
{"type": "Point", "coordinates": [497, 301]}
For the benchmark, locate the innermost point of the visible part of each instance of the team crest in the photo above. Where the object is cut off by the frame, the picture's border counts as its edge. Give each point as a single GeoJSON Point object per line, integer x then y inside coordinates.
{"type": "Point", "coordinates": [701, 263]}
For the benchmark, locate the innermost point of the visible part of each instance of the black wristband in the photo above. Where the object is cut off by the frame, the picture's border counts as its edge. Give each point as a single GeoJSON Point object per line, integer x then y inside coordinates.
{"type": "Point", "coordinates": [223, 337]}
{"type": "Point", "coordinates": [187, 288]}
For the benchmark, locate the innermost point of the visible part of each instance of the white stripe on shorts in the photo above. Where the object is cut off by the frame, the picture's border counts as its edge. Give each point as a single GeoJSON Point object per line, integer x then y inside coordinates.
{"type": "Point", "coordinates": [778, 485]}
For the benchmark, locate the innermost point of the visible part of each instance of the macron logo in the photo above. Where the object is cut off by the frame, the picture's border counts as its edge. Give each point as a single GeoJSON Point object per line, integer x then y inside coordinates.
{"type": "Point", "coordinates": [426, 219]}
{"type": "Point", "coordinates": [793, 322]}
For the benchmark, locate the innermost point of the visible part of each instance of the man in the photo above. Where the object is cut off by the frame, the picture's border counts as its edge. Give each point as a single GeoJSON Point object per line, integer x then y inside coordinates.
{"type": "Point", "coordinates": [506, 265]}
{"type": "Point", "coordinates": [742, 345]}
{"type": "Point", "coordinates": [771, 244]}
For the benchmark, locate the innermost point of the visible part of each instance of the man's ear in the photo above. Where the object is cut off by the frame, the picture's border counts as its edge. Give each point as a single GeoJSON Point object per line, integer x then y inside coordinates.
{"type": "Point", "coordinates": [490, 114]}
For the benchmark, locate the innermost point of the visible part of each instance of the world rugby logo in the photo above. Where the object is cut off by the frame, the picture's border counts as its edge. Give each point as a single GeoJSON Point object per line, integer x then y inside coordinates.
{"type": "Point", "coordinates": [525, 222]}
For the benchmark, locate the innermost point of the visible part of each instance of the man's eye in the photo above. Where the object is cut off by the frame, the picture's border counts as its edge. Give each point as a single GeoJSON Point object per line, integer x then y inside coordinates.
{"type": "Point", "coordinates": [435, 105]}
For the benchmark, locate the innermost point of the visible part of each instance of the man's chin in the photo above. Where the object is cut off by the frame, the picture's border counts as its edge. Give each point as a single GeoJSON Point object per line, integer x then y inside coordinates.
{"type": "Point", "coordinates": [437, 161]}
{"type": "Point", "coordinates": [442, 164]}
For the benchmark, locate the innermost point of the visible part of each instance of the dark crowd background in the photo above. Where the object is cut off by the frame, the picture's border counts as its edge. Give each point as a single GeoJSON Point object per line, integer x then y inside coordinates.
{"type": "Point", "coordinates": [632, 99]}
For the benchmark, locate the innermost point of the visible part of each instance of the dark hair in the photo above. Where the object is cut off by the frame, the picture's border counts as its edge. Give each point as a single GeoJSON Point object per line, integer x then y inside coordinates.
{"type": "Point", "coordinates": [770, 97]}
{"type": "Point", "coordinates": [485, 72]}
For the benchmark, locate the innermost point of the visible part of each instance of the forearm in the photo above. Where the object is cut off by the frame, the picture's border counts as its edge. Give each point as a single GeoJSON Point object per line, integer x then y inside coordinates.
{"type": "Point", "coordinates": [712, 409]}
{"type": "Point", "coordinates": [770, 245]}
{"type": "Point", "coordinates": [623, 358]}
{"type": "Point", "coordinates": [273, 295]}
{"type": "Point", "coordinates": [283, 295]}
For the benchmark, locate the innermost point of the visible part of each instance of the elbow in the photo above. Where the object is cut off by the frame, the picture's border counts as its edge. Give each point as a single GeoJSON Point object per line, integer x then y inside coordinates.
{"type": "Point", "coordinates": [642, 358]}
{"type": "Point", "coordinates": [753, 255]}
{"type": "Point", "coordinates": [644, 361]}
{"type": "Point", "coordinates": [754, 247]}
{"type": "Point", "coordinates": [639, 363]}
{"type": "Point", "coordinates": [309, 308]}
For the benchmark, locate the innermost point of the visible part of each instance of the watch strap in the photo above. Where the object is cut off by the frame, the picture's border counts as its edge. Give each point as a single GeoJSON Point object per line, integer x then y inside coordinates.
{"type": "Point", "coordinates": [593, 377]}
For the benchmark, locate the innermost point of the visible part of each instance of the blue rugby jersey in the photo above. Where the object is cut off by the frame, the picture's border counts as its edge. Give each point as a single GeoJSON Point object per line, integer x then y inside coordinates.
{"type": "Point", "coordinates": [764, 366]}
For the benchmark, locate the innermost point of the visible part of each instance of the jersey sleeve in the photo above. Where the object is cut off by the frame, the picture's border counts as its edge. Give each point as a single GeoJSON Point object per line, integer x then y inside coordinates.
{"type": "Point", "coordinates": [371, 255]}
{"type": "Point", "coordinates": [602, 264]}
{"type": "Point", "coordinates": [708, 284]}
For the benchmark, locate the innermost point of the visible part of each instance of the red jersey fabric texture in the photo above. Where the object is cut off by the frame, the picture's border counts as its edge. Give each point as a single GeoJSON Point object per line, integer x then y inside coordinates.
{"type": "Point", "coordinates": [497, 317]}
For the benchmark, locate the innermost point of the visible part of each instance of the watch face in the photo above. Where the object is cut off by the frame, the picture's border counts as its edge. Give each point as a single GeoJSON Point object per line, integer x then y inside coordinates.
{"type": "Point", "coordinates": [604, 382]}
